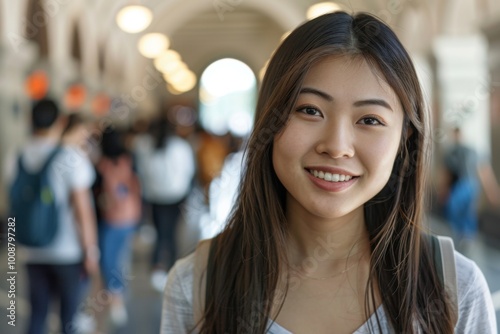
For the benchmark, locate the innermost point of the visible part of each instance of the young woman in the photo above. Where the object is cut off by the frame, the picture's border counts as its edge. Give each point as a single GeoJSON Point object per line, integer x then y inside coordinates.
{"type": "Point", "coordinates": [166, 168]}
{"type": "Point", "coordinates": [327, 232]}
{"type": "Point", "coordinates": [118, 199]}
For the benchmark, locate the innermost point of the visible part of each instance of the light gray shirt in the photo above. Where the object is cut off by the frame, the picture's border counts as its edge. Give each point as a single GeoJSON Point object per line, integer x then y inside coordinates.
{"type": "Point", "coordinates": [476, 311]}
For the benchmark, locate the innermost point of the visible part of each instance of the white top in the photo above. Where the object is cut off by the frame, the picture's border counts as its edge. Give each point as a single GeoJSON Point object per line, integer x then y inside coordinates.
{"type": "Point", "coordinates": [71, 170]}
{"type": "Point", "coordinates": [166, 174]}
{"type": "Point", "coordinates": [476, 312]}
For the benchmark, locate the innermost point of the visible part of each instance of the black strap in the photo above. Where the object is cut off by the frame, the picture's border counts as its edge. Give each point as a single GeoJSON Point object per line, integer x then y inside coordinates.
{"type": "Point", "coordinates": [51, 157]}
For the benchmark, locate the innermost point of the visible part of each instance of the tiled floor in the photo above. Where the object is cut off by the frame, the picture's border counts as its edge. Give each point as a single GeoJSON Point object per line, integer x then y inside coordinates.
{"type": "Point", "coordinates": [144, 303]}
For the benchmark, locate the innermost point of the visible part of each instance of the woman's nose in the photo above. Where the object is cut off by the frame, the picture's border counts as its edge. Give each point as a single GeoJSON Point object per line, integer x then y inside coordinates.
{"type": "Point", "coordinates": [337, 141]}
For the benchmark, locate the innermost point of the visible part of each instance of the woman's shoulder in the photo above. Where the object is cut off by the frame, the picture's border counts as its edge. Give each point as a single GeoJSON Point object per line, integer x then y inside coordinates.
{"type": "Point", "coordinates": [180, 308]}
{"type": "Point", "coordinates": [467, 272]}
{"type": "Point", "coordinates": [185, 269]}
{"type": "Point", "coordinates": [476, 311]}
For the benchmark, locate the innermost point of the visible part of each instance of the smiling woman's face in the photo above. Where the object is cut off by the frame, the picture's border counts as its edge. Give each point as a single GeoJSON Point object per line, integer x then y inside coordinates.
{"type": "Point", "coordinates": [338, 148]}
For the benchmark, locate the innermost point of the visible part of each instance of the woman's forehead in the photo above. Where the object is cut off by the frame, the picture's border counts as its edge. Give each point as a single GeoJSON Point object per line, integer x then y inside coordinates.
{"type": "Point", "coordinates": [349, 76]}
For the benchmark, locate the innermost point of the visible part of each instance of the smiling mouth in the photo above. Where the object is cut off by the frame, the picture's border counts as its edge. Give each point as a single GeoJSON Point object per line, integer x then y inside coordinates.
{"type": "Point", "coordinates": [330, 177]}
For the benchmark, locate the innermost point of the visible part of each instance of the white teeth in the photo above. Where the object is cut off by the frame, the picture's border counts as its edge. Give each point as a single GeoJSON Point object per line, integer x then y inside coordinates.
{"type": "Point", "coordinates": [330, 177]}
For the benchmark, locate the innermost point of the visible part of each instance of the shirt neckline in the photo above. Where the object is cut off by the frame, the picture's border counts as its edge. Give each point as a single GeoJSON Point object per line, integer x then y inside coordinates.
{"type": "Point", "coordinates": [362, 329]}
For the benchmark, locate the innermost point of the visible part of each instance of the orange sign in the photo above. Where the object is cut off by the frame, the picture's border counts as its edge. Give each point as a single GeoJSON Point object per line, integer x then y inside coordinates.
{"type": "Point", "coordinates": [37, 85]}
{"type": "Point", "coordinates": [75, 96]}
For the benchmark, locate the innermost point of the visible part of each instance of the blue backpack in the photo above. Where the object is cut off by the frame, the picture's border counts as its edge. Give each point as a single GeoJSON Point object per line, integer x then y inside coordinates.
{"type": "Point", "coordinates": [33, 204]}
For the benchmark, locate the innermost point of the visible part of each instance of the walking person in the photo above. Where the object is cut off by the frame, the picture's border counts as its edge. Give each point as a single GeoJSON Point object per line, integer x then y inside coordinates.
{"type": "Point", "coordinates": [327, 231]}
{"type": "Point", "coordinates": [166, 167]}
{"type": "Point", "coordinates": [118, 199]}
{"type": "Point", "coordinates": [467, 174]}
{"type": "Point", "coordinates": [55, 267]}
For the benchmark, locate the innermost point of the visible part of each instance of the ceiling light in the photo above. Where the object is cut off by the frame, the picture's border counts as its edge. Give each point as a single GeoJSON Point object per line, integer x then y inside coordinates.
{"type": "Point", "coordinates": [185, 82]}
{"type": "Point", "coordinates": [322, 8]}
{"type": "Point", "coordinates": [179, 76]}
{"type": "Point", "coordinates": [173, 90]}
{"type": "Point", "coordinates": [153, 44]}
{"type": "Point", "coordinates": [133, 19]}
{"type": "Point", "coordinates": [164, 60]}
{"type": "Point", "coordinates": [172, 67]}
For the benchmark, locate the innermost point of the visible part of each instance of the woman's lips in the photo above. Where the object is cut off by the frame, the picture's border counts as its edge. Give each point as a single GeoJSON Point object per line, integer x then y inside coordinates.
{"type": "Point", "coordinates": [334, 182]}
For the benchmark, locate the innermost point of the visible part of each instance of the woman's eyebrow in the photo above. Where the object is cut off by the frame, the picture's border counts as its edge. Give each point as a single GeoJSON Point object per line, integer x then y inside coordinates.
{"type": "Point", "coordinates": [360, 103]}
{"type": "Point", "coordinates": [377, 102]}
{"type": "Point", "coordinates": [310, 90]}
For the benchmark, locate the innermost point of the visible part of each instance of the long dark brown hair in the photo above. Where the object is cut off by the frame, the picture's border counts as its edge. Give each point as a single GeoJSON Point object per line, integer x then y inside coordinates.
{"type": "Point", "coordinates": [251, 250]}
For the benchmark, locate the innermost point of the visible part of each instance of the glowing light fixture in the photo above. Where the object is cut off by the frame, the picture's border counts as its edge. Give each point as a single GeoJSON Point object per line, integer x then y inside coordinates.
{"type": "Point", "coordinates": [226, 76]}
{"type": "Point", "coordinates": [228, 89]}
{"type": "Point", "coordinates": [165, 58]}
{"type": "Point", "coordinates": [134, 19]}
{"type": "Point", "coordinates": [322, 8]}
{"type": "Point", "coordinates": [184, 82]}
{"type": "Point", "coordinates": [172, 67]}
{"type": "Point", "coordinates": [152, 45]}
{"type": "Point", "coordinates": [173, 90]}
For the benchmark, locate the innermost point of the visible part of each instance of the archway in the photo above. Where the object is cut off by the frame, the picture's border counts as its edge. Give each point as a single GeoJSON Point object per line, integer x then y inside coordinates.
{"type": "Point", "coordinates": [228, 90]}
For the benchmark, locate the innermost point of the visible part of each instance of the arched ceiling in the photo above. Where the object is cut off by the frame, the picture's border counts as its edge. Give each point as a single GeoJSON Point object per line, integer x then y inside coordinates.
{"type": "Point", "coordinates": [204, 30]}
{"type": "Point", "coordinates": [207, 29]}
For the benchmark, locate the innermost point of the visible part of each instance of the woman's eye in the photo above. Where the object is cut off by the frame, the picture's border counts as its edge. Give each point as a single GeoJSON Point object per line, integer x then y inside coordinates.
{"type": "Point", "coordinates": [371, 121]}
{"type": "Point", "coordinates": [309, 111]}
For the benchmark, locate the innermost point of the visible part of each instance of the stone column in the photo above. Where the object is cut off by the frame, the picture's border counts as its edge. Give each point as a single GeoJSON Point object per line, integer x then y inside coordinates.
{"type": "Point", "coordinates": [463, 83]}
{"type": "Point", "coordinates": [493, 34]}
{"type": "Point", "coordinates": [14, 107]}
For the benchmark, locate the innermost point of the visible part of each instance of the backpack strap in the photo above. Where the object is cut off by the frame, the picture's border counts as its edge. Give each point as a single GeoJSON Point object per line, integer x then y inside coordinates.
{"type": "Point", "coordinates": [46, 164]}
{"type": "Point", "coordinates": [444, 261]}
{"type": "Point", "coordinates": [20, 166]}
{"type": "Point", "coordinates": [51, 157]}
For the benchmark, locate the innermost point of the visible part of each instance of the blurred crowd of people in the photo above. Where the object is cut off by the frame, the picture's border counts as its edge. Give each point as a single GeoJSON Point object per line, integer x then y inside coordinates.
{"type": "Point", "coordinates": [108, 183]}
{"type": "Point", "coordinates": [180, 181]}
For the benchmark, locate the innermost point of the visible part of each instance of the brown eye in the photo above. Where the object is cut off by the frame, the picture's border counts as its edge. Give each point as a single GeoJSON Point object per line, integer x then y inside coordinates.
{"type": "Point", "coordinates": [308, 110]}
{"type": "Point", "coordinates": [371, 121]}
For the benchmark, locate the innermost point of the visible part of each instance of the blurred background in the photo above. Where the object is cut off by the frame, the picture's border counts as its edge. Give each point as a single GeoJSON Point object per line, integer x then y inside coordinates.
{"type": "Point", "coordinates": [198, 64]}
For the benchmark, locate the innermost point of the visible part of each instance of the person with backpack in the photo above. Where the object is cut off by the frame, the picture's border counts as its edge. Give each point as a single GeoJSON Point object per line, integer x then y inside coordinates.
{"type": "Point", "coordinates": [328, 232]}
{"type": "Point", "coordinates": [118, 201]}
{"type": "Point", "coordinates": [55, 221]}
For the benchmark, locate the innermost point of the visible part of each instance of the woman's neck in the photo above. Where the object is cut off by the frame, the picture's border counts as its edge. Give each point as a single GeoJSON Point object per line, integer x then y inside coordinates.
{"type": "Point", "coordinates": [320, 246]}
